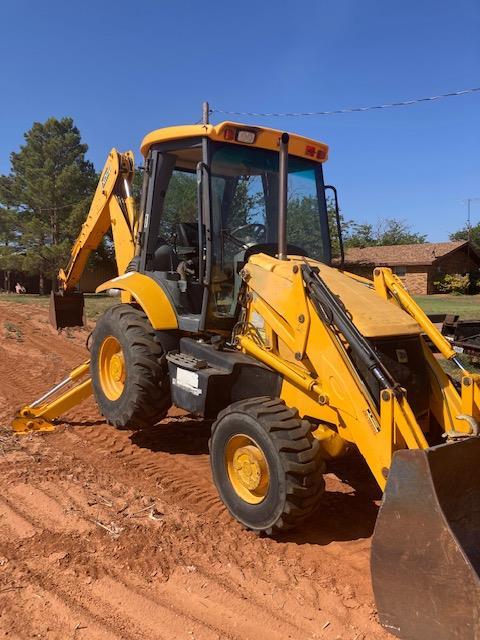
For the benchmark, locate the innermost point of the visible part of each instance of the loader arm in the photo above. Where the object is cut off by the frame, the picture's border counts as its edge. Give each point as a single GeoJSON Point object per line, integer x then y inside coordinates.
{"type": "Point", "coordinates": [326, 356]}
{"type": "Point", "coordinates": [390, 287]}
{"type": "Point", "coordinates": [112, 206]}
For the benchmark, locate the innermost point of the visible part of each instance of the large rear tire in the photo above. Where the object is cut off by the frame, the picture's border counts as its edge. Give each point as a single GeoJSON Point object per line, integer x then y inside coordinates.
{"type": "Point", "coordinates": [129, 369]}
{"type": "Point", "coordinates": [266, 464]}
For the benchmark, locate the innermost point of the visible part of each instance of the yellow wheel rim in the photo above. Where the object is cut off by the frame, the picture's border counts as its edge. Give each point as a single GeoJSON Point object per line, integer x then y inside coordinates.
{"type": "Point", "coordinates": [111, 365]}
{"type": "Point", "coordinates": [247, 469]}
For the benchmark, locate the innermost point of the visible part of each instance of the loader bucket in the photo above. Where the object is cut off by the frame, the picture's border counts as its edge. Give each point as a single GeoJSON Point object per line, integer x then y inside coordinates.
{"type": "Point", "coordinates": [66, 310]}
{"type": "Point", "coordinates": [426, 545]}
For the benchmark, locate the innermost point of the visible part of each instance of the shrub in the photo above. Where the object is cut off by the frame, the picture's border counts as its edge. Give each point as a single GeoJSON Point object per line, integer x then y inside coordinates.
{"type": "Point", "coordinates": [453, 283]}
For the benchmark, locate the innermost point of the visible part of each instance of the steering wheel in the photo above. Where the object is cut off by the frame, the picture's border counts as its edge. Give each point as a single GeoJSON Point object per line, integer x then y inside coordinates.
{"type": "Point", "coordinates": [257, 230]}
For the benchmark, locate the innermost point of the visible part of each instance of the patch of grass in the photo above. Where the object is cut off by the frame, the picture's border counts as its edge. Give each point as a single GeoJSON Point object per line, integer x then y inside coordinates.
{"type": "Point", "coordinates": [12, 331]}
{"type": "Point", "coordinates": [467, 307]}
{"type": "Point", "coordinates": [95, 304]}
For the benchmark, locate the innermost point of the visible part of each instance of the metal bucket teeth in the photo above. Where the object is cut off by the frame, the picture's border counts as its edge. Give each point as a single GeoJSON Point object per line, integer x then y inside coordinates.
{"type": "Point", "coordinates": [66, 310]}
{"type": "Point", "coordinates": [426, 544]}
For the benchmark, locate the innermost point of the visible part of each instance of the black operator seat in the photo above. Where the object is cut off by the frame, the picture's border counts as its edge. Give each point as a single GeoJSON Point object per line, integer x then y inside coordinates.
{"type": "Point", "coordinates": [168, 255]}
{"type": "Point", "coordinates": [164, 257]}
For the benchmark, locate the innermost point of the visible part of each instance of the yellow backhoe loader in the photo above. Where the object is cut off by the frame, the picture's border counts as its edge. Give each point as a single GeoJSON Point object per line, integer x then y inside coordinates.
{"type": "Point", "coordinates": [231, 309]}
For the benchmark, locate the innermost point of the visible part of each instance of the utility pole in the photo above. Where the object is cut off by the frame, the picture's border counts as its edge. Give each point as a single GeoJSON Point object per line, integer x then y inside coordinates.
{"type": "Point", "coordinates": [469, 224]}
{"type": "Point", "coordinates": [205, 113]}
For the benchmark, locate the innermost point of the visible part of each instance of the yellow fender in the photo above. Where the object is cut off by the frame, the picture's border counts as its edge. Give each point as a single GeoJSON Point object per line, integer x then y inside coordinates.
{"type": "Point", "coordinates": [149, 295]}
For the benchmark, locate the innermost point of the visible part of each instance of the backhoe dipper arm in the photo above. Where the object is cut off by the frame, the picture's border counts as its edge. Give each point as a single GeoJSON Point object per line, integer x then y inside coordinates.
{"type": "Point", "coordinates": [112, 205]}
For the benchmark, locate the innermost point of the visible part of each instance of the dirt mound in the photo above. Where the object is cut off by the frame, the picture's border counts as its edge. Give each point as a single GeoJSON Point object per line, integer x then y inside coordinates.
{"type": "Point", "coordinates": [108, 533]}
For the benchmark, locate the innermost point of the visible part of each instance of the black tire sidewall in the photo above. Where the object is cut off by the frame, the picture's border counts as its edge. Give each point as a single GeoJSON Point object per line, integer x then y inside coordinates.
{"type": "Point", "coordinates": [109, 407]}
{"type": "Point", "coordinates": [120, 412]}
{"type": "Point", "coordinates": [265, 514]}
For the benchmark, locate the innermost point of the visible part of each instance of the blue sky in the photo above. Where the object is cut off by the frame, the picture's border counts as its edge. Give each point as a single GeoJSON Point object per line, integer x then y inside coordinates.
{"type": "Point", "coordinates": [121, 69]}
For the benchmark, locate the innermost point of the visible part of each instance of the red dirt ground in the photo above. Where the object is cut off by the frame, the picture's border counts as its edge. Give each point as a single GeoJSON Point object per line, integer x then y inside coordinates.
{"type": "Point", "coordinates": [115, 534]}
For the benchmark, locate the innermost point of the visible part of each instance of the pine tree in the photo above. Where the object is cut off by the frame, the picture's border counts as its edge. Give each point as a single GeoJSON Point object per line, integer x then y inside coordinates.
{"type": "Point", "coordinates": [49, 181]}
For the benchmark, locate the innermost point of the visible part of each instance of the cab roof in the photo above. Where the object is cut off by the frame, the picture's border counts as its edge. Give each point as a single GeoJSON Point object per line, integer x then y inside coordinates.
{"type": "Point", "coordinates": [265, 138]}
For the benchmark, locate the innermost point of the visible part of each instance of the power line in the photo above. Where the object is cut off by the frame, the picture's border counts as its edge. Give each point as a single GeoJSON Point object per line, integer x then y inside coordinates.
{"type": "Point", "coordinates": [404, 103]}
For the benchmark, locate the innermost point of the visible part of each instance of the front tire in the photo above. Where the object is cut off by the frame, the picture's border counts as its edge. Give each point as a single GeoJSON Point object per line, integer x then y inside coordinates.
{"type": "Point", "coordinates": [266, 464]}
{"type": "Point", "coordinates": [129, 369]}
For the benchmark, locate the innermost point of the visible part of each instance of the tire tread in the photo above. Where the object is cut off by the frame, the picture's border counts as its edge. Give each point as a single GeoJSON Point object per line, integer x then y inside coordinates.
{"type": "Point", "coordinates": [299, 452]}
{"type": "Point", "coordinates": [148, 373]}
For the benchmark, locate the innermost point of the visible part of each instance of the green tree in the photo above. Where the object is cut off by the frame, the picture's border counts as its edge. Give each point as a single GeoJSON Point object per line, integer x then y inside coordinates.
{"type": "Point", "coordinates": [345, 226]}
{"type": "Point", "coordinates": [137, 186]}
{"type": "Point", "coordinates": [10, 257]}
{"type": "Point", "coordinates": [361, 235]}
{"type": "Point", "coordinates": [464, 234]}
{"type": "Point", "coordinates": [395, 231]}
{"type": "Point", "coordinates": [387, 231]}
{"type": "Point", "coordinates": [49, 179]}
{"type": "Point", "coordinates": [180, 204]}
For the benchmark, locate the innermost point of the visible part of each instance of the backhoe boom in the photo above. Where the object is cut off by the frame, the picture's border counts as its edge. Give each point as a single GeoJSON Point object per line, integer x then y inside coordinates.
{"type": "Point", "coordinates": [112, 206]}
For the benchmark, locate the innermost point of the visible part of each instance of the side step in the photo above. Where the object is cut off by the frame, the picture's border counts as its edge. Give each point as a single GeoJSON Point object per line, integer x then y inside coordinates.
{"type": "Point", "coordinates": [426, 545]}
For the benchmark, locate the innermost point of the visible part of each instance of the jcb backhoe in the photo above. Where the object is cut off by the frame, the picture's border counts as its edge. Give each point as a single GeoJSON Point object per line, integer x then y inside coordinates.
{"type": "Point", "coordinates": [231, 309]}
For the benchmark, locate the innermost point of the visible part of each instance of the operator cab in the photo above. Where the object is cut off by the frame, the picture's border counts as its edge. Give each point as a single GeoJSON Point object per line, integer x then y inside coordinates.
{"type": "Point", "coordinates": [211, 203]}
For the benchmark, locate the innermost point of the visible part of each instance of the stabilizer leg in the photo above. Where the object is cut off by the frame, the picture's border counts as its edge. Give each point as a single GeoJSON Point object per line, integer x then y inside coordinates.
{"type": "Point", "coordinates": [39, 415]}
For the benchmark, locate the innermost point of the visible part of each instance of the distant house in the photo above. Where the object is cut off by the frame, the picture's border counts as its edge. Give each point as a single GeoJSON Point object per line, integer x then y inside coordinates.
{"type": "Point", "coordinates": [418, 265]}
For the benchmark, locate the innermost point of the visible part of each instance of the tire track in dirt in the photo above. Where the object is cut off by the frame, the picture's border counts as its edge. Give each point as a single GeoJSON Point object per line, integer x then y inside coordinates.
{"type": "Point", "coordinates": [119, 599]}
{"type": "Point", "coordinates": [186, 478]}
{"type": "Point", "coordinates": [12, 519]}
{"type": "Point", "coordinates": [116, 592]}
{"type": "Point", "coordinates": [231, 552]}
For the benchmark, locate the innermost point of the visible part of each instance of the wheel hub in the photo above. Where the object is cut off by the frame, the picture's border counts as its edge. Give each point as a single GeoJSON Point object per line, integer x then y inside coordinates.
{"type": "Point", "coordinates": [247, 469]}
{"type": "Point", "coordinates": [117, 364]}
{"type": "Point", "coordinates": [250, 465]}
{"type": "Point", "coordinates": [111, 363]}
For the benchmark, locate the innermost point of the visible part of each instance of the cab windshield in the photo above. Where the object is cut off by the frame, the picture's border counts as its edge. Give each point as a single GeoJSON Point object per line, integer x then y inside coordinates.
{"type": "Point", "coordinates": [244, 201]}
{"type": "Point", "coordinates": [244, 192]}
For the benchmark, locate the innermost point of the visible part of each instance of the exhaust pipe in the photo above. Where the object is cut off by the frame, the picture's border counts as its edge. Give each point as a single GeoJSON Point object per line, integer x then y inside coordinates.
{"type": "Point", "coordinates": [282, 196]}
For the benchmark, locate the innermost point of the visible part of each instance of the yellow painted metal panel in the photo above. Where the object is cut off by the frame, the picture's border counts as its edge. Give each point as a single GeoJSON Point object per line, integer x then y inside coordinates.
{"type": "Point", "coordinates": [266, 138]}
{"type": "Point", "coordinates": [373, 316]}
{"type": "Point", "coordinates": [149, 295]}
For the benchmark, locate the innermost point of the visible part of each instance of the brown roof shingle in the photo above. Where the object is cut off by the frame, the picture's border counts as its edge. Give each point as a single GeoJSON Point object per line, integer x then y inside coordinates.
{"type": "Point", "coordinates": [402, 254]}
